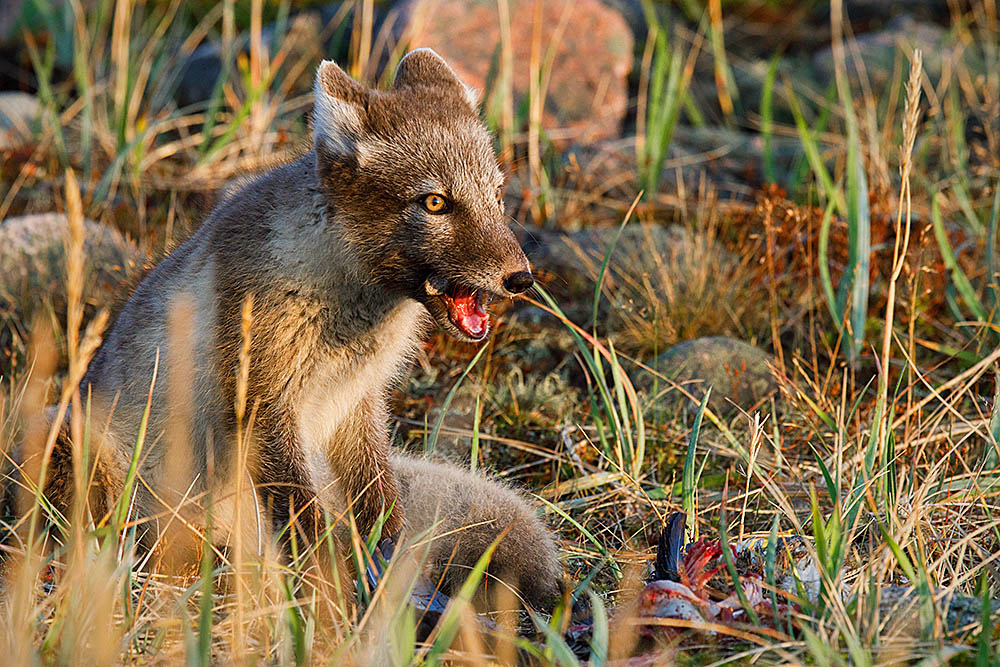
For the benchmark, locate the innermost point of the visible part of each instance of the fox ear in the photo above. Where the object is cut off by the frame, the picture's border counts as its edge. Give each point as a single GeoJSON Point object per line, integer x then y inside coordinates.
{"type": "Point", "coordinates": [338, 109]}
{"type": "Point", "coordinates": [424, 67]}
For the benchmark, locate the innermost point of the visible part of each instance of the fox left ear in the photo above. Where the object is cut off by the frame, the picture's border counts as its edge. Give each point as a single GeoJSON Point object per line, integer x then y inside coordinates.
{"type": "Point", "coordinates": [424, 67]}
{"type": "Point", "coordinates": [339, 108]}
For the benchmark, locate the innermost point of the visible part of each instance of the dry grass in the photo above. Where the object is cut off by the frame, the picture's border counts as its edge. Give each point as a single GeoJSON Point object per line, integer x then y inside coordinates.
{"type": "Point", "coordinates": [887, 461]}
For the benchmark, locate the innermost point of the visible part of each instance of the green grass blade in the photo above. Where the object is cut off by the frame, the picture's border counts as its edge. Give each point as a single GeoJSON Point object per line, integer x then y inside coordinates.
{"type": "Point", "coordinates": [474, 453]}
{"type": "Point", "coordinates": [918, 578]}
{"type": "Point", "coordinates": [583, 531]}
{"type": "Point", "coordinates": [604, 265]}
{"type": "Point", "coordinates": [205, 604]}
{"type": "Point", "coordinates": [824, 266]}
{"type": "Point", "coordinates": [436, 432]}
{"type": "Point", "coordinates": [812, 152]}
{"type": "Point", "coordinates": [859, 246]}
{"type": "Point", "coordinates": [734, 576]}
{"type": "Point", "coordinates": [448, 626]}
{"type": "Point", "coordinates": [688, 480]}
{"type": "Point", "coordinates": [600, 635]}
{"type": "Point", "coordinates": [958, 277]}
{"type": "Point", "coordinates": [592, 363]}
{"type": "Point", "coordinates": [767, 119]}
{"type": "Point", "coordinates": [124, 501]}
{"type": "Point", "coordinates": [557, 651]}
{"type": "Point", "coordinates": [985, 656]}
{"type": "Point", "coordinates": [992, 280]}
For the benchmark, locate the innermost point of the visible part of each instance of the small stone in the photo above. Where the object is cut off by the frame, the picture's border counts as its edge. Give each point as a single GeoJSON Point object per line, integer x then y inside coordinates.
{"type": "Point", "coordinates": [738, 372]}
{"type": "Point", "coordinates": [20, 114]}
{"type": "Point", "coordinates": [587, 92]}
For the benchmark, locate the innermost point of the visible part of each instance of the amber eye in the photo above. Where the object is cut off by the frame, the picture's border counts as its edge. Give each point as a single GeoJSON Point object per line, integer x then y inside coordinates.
{"type": "Point", "coordinates": [500, 195]}
{"type": "Point", "coordinates": [435, 203]}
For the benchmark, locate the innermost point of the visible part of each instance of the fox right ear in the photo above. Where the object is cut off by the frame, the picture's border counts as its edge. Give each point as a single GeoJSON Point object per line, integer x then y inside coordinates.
{"type": "Point", "coordinates": [338, 109]}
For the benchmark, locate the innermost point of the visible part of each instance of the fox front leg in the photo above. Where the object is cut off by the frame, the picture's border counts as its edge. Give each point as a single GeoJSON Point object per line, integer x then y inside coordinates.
{"type": "Point", "coordinates": [359, 457]}
{"type": "Point", "coordinates": [284, 482]}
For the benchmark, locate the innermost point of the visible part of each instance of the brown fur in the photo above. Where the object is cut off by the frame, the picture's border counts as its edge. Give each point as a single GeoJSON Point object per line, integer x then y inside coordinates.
{"type": "Point", "coordinates": [335, 252]}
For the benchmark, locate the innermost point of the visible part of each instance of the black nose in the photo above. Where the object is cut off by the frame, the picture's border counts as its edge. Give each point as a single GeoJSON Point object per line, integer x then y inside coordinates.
{"type": "Point", "coordinates": [518, 282]}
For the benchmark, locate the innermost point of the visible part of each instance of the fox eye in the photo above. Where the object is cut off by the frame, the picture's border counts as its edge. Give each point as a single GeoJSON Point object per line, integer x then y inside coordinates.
{"type": "Point", "coordinates": [500, 195]}
{"type": "Point", "coordinates": [435, 203]}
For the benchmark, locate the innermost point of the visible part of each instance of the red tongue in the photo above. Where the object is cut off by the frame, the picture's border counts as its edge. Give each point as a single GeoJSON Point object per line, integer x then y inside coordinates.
{"type": "Point", "coordinates": [466, 312]}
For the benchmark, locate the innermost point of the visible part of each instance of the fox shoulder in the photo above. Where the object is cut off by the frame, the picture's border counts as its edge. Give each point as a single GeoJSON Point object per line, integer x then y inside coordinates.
{"type": "Point", "coordinates": [463, 512]}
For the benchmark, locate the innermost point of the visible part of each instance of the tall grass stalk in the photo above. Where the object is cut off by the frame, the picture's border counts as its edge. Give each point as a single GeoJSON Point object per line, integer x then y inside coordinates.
{"type": "Point", "coordinates": [540, 64]}
{"type": "Point", "coordinates": [724, 86]}
{"type": "Point", "coordinates": [767, 119]}
{"type": "Point", "coordinates": [902, 238]}
{"type": "Point", "coordinates": [689, 480]}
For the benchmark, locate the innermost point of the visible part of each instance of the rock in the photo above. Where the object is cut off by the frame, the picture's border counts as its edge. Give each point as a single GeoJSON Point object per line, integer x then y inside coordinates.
{"type": "Point", "coordinates": [635, 17]}
{"type": "Point", "coordinates": [199, 74]}
{"type": "Point", "coordinates": [731, 160]}
{"type": "Point", "coordinates": [201, 70]}
{"type": "Point", "coordinates": [572, 260]}
{"type": "Point", "coordinates": [879, 50]}
{"type": "Point", "coordinates": [33, 278]}
{"type": "Point", "coordinates": [737, 372]}
{"type": "Point", "coordinates": [587, 94]}
{"type": "Point", "coordinates": [20, 115]}
{"type": "Point", "coordinates": [663, 283]}
{"type": "Point", "coordinates": [901, 605]}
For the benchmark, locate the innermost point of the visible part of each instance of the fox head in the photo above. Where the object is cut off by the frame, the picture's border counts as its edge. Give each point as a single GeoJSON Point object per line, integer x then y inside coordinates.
{"type": "Point", "coordinates": [411, 175]}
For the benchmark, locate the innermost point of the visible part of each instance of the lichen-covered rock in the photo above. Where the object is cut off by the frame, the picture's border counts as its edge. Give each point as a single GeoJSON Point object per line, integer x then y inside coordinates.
{"type": "Point", "coordinates": [738, 372]}
{"type": "Point", "coordinates": [901, 604]}
{"type": "Point", "coordinates": [33, 272]}
{"type": "Point", "coordinates": [587, 93]}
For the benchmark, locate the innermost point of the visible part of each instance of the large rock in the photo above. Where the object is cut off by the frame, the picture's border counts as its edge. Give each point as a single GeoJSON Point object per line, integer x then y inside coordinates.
{"type": "Point", "coordinates": [200, 71]}
{"type": "Point", "coordinates": [738, 373]}
{"type": "Point", "coordinates": [33, 276]}
{"type": "Point", "coordinates": [879, 50]}
{"type": "Point", "coordinates": [569, 263]}
{"type": "Point", "coordinates": [587, 92]}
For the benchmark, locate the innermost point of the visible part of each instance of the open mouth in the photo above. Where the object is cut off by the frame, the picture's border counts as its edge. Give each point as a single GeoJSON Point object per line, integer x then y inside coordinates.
{"type": "Point", "coordinates": [461, 304]}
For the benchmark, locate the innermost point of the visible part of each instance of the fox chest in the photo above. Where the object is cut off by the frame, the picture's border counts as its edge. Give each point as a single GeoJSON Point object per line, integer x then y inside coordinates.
{"type": "Point", "coordinates": [343, 383]}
